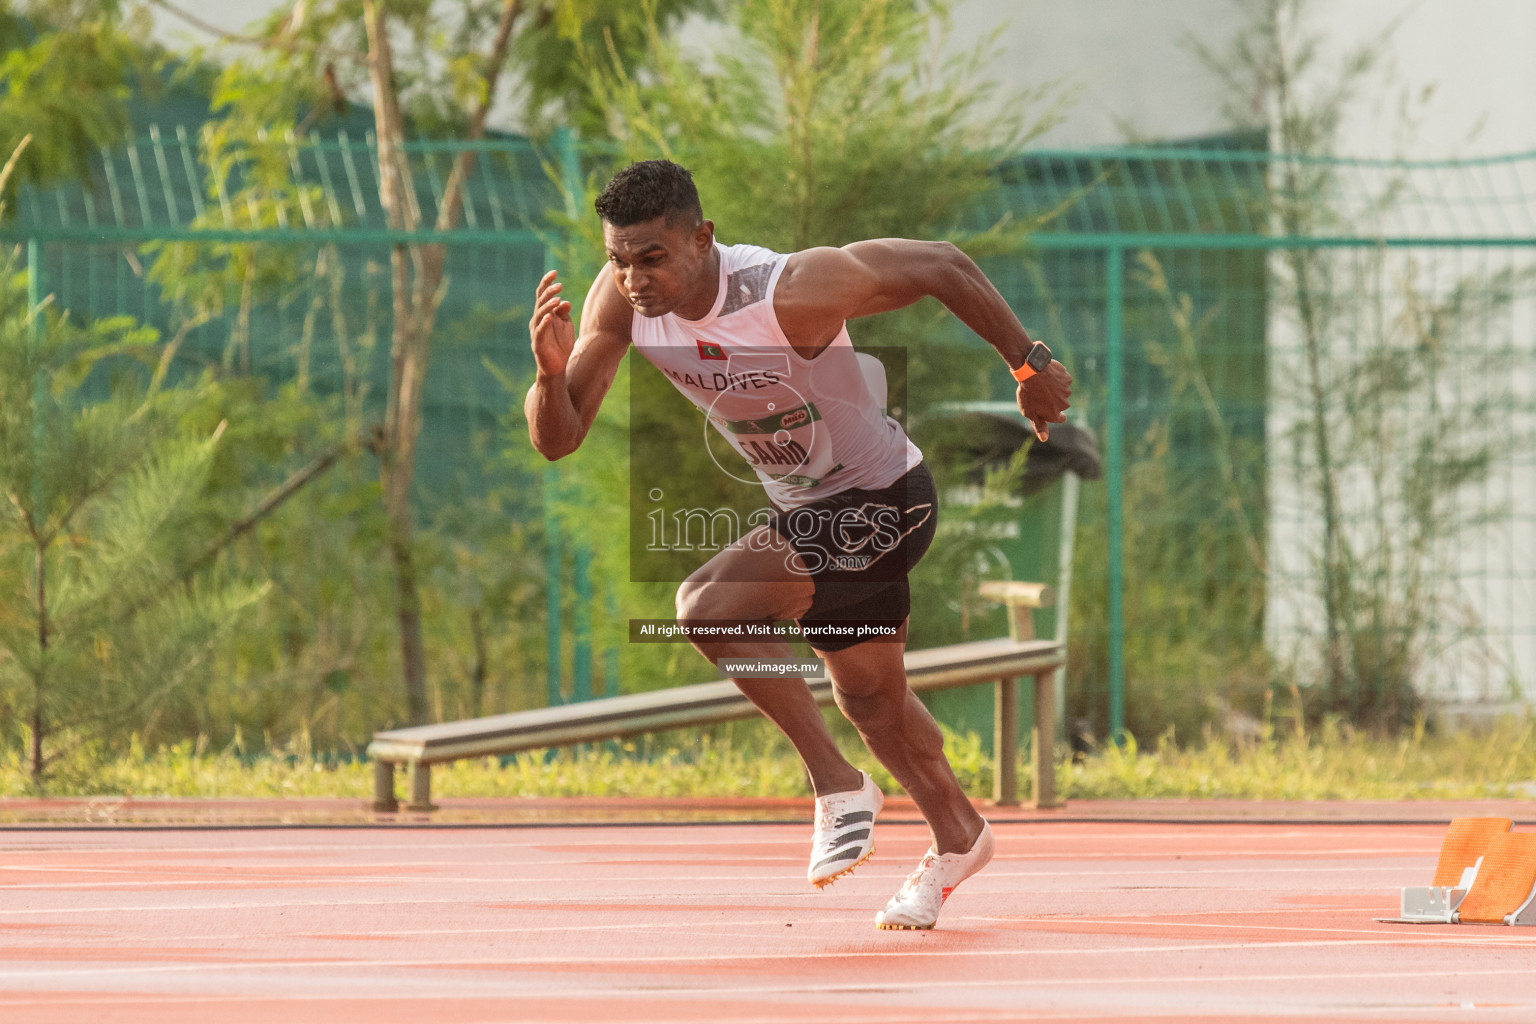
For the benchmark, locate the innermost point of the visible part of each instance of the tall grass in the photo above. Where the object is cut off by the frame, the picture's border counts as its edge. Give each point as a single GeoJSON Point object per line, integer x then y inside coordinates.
{"type": "Point", "coordinates": [1332, 762]}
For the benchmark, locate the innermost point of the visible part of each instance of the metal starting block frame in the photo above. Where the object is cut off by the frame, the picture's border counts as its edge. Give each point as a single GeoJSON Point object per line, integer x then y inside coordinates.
{"type": "Point", "coordinates": [1525, 914]}
{"type": "Point", "coordinates": [1433, 904]}
{"type": "Point", "coordinates": [1486, 875]}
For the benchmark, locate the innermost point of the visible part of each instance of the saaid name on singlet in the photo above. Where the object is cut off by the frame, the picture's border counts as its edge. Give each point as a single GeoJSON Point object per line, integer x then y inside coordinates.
{"type": "Point", "coordinates": [787, 453]}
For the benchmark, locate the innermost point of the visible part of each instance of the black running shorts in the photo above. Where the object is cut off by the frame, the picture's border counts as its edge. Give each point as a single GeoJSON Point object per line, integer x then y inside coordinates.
{"type": "Point", "coordinates": [859, 547]}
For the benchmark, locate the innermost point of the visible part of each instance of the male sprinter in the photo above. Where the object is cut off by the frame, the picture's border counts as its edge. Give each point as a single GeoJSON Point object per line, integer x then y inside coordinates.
{"type": "Point", "coordinates": [854, 505]}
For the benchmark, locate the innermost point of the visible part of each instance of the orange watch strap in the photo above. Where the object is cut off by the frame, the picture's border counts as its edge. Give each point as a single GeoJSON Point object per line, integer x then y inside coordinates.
{"type": "Point", "coordinates": [1026, 371]}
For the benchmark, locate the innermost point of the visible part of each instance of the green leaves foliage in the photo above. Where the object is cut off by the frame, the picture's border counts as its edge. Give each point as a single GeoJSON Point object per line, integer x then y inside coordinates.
{"type": "Point", "coordinates": [556, 51]}
{"type": "Point", "coordinates": [305, 74]}
{"type": "Point", "coordinates": [100, 614]}
{"type": "Point", "coordinates": [67, 68]}
{"type": "Point", "coordinates": [821, 124]}
{"type": "Point", "coordinates": [804, 124]}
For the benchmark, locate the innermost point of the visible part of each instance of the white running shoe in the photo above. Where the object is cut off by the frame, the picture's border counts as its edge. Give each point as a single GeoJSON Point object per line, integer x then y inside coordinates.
{"type": "Point", "coordinates": [918, 903]}
{"type": "Point", "coordinates": [845, 825]}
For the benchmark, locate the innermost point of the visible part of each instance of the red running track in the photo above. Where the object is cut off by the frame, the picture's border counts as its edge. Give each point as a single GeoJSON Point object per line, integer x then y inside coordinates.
{"type": "Point", "coordinates": [1084, 921]}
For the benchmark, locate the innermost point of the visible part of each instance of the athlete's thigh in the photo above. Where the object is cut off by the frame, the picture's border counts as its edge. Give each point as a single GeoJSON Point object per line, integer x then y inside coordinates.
{"type": "Point", "coordinates": [760, 576]}
{"type": "Point", "coordinates": [866, 669]}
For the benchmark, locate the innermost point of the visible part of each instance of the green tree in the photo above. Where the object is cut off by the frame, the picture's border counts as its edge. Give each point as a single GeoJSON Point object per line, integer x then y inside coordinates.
{"type": "Point", "coordinates": [820, 123]}
{"type": "Point", "coordinates": [426, 69]}
{"type": "Point", "coordinates": [104, 611]}
{"type": "Point", "coordinates": [809, 123]}
{"type": "Point", "coordinates": [66, 71]}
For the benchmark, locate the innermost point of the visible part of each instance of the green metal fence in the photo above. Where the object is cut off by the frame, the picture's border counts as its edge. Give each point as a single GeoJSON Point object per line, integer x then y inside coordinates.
{"type": "Point", "coordinates": [295, 283]}
{"type": "Point", "coordinates": [1227, 314]}
{"type": "Point", "coordinates": [1235, 312]}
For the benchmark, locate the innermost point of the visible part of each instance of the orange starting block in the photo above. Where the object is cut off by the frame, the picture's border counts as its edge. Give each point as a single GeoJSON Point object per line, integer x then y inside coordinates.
{"type": "Point", "coordinates": [1486, 875]}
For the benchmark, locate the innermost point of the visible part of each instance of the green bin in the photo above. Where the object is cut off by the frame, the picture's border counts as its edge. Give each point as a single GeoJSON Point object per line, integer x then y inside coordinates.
{"type": "Point", "coordinates": [1034, 546]}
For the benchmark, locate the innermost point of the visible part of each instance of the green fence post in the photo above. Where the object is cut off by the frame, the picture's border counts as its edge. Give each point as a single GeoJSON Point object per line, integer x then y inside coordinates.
{"type": "Point", "coordinates": [570, 168]}
{"type": "Point", "coordinates": [1114, 302]}
{"type": "Point", "coordinates": [39, 381]}
{"type": "Point", "coordinates": [552, 590]}
{"type": "Point", "coordinates": [581, 655]}
{"type": "Point", "coordinates": [35, 284]}
{"type": "Point", "coordinates": [611, 654]}
{"type": "Point", "coordinates": [581, 659]}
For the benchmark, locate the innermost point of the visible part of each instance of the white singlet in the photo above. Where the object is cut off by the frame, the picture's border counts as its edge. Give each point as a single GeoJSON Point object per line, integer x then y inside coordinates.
{"type": "Point", "coordinates": [810, 428]}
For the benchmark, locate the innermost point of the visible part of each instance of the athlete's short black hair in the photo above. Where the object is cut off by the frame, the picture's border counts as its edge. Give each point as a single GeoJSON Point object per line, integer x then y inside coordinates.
{"type": "Point", "coordinates": [649, 189]}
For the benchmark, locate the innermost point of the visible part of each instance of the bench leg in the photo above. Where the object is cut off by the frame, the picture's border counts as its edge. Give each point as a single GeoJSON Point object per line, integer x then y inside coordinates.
{"type": "Point", "coordinates": [384, 787]}
{"type": "Point", "coordinates": [421, 788]}
{"type": "Point", "coordinates": [1005, 743]}
{"type": "Point", "coordinates": [1045, 741]}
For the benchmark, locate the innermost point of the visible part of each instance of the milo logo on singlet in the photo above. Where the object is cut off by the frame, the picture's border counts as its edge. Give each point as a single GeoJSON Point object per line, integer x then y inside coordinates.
{"type": "Point", "coordinates": [794, 419]}
{"type": "Point", "coordinates": [800, 416]}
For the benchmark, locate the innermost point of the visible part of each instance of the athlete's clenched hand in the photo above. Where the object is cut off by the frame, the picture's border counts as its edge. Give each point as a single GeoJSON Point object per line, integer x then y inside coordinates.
{"type": "Point", "coordinates": [1043, 398]}
{"type": "Point", "coordinates": [550, 330]}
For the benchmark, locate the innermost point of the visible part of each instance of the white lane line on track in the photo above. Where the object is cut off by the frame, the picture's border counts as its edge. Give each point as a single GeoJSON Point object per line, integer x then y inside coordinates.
{"type": "Point", "coordinates": [423, 869]}
{"type": "Point", "coordinates": [453, 1000]}
{"type": "Point", "coordinates": [845, 1015]}
{"type": "Point", "coordinates": [479, 900]}
{"type": "Point", "coordinates": [609, 962]}
{"type": "Point", "coordinates": [754, 926]}
{"type": "Point", "coordinates": [883, 1014]}
{"type": "Point", "coordinates": [645, 902]}
{"type": "Point", "coordinates": [1265, 846]}
{"type": "Point", "coordinates": [411, 879]}
{"type": "Point", "coordinates": [748, 927]}
{"type": "Point", "coordinates": [598, 838]}
{"type": "Point", "coordinates": [1143, 920]}
{"type": "Point", "coordinates": [1076, 983]}
{"type": "Point", "coordinates": [821, 916]}
{"type": "Point", "coordinates": [616, 851]}
{"type": "Point", "coordinates": [615, 901]}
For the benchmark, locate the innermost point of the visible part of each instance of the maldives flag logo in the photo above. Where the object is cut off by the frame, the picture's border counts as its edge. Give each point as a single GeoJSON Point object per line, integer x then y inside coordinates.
{"type": "Point", "coordinates": [710, 350]}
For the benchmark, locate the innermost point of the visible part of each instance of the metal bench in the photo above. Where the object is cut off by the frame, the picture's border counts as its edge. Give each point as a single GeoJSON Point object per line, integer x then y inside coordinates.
{"type": "Point", "coordinates": [1002, 661]}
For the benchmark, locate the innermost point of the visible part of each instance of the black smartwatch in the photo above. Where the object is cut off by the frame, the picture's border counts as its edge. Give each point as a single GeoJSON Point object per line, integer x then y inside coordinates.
{"type": "Point", "coordinates": [1036, 359]}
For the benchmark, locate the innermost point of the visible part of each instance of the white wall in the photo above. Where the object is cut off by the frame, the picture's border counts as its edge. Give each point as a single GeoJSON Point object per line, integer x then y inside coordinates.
{"type": "Point", "coordinates": [1456, 82]}
{"type": "Point", "coordinates": [1466, 66]}
{"type": "Point", "coordinates": [1128, 69]}
{"type": "Point", "coordinates": [230, 15]}
{"type": "Point", "coordinates": [1132, 74]}
{"type": "Point", "coordinates": [1125, 64]}
{"type": "Point", "coordinates": [1456, 78]}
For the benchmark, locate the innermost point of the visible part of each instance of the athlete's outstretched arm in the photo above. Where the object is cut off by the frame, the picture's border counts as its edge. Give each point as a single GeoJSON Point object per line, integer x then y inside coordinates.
{"type": "Point", "coordinates": [821, 288]}
{"type": "Point", "coordinates": [574, 373]}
